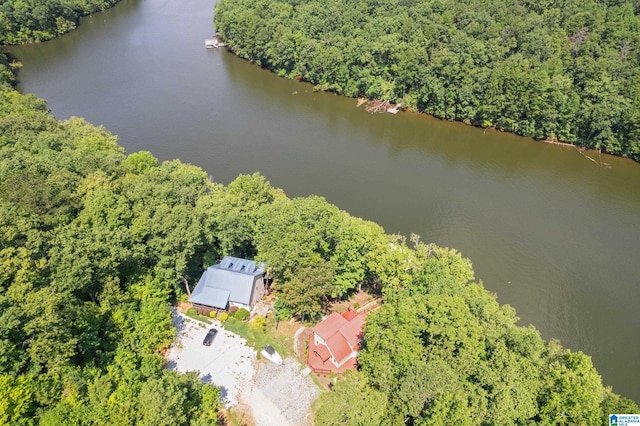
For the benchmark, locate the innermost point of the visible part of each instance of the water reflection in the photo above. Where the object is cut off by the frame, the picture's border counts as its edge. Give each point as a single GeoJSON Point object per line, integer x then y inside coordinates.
{"type": "Point", "coordinates": [458, 145]}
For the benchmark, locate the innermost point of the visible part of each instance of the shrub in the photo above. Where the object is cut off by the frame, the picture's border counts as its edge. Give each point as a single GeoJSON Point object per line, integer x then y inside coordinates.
{"type": "Point", "coordinates": [356, 305]}
{"type": "Point", "coordinates": [283, 312]}
{"type": "Point", "coordinates": [259, 323]}
{"type": "Point", "coordinates": [192, 312]}
{"type": "Point", "coordinates": [233, 310]}
{"type": "Point", "coordinates": [223, 316]}
{"type": "Point", "coordinates": [213, 314]}
{"type": "Point", "coordinates": [241, 314]}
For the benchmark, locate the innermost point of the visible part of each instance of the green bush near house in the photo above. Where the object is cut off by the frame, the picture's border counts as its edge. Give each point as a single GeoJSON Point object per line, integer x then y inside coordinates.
{"type": "Point", "coordinates": [192, 313]}
{"type": "Point", "coordinates": [242, 314]}
{"type": "Point", "coordinates": [283, 312]}
{"type": "Point", "coordinates": [259, 323]}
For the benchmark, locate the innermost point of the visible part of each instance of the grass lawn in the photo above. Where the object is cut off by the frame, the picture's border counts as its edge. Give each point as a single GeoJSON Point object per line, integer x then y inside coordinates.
{"type": "Point", "coordinates": [281, 339]}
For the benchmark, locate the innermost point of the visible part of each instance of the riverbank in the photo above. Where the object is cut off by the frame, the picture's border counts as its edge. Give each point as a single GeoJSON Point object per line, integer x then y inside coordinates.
{"type": "Point", "coordinates": [46, 20]}
{"type": "Point", "coordinates": [381, 106]}
{"type": "Point", "coordinates": [374, 106]}
{"type": "Point", "coordinates": [481, 81]}
{"type": "Point", "coordinates": [551, 233]}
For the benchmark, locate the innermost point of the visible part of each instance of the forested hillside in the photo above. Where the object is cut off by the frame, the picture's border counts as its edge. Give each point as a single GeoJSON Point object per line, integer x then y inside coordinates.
{"type": "Point", "coordinates": [24, 21]}
{"type": "Point", "coordinates": [441, 350]}
{"type": "Point", "coordinates": [562, 70]}
{"type": "Point", "coordinates": [91, 245]}
{"type": "Point", "coordinates": [6, 73]}
{"type": "Point", "coordinates": [95, 245]}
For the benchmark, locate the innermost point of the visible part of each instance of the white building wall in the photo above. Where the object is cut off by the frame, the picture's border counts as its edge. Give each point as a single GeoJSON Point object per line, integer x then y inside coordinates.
{"type": "Point", "coordinates": [240, 305]}
{"type": "Point", "coordinates": [353, 354]}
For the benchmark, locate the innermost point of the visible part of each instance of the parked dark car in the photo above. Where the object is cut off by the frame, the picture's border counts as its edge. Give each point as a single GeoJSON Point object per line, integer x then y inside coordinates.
{"type": "Point", "coordinates": [211, 334]}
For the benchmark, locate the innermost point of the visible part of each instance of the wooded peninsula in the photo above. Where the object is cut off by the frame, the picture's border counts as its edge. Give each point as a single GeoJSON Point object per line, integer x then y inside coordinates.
{"type": "Point", "coordinates": [95, 247]}
{"type": "Point", "coordinates": [563, 70]}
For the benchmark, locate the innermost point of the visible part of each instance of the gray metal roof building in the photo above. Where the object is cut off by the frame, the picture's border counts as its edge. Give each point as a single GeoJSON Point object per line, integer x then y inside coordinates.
{"type": "Point", "coordinates": [233, 281]}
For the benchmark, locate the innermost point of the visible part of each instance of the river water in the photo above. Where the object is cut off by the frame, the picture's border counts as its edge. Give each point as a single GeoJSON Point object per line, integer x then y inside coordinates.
{"type": "Point", "coordinates": [552, 232]}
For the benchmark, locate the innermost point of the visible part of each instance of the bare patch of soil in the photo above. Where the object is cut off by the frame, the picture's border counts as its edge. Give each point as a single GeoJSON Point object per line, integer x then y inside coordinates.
{"type": "Point", "coordinates": [361, 298]}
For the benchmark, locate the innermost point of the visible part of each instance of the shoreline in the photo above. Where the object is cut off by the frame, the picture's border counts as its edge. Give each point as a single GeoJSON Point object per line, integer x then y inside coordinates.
{"type": "Point", "coordinates": [360, 100]}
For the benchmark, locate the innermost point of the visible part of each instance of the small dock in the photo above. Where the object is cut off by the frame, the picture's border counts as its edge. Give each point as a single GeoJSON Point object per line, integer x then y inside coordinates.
{"type": "Point", "coordinates": [394, 109]}
{"type": "Point", "coordinates": [213, 43]}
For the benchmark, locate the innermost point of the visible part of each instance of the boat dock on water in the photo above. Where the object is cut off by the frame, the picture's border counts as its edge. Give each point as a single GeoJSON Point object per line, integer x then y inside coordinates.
{"type": "Point", "coordinates": [212, 43]}
{"type": "Point", "coordinates": [394, 109]}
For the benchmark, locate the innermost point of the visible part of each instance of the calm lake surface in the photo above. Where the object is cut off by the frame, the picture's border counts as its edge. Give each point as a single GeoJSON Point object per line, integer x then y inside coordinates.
{"type": "Point", "coordinates": [553, 233]}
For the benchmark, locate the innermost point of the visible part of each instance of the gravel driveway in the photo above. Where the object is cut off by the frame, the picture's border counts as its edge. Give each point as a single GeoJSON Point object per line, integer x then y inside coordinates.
{"type": "Point", "coordinates": [228, 362]}
{"type": "Point", "coordinates": [289, 388]}
{"type": "Point", "coordinates": [277, 395]}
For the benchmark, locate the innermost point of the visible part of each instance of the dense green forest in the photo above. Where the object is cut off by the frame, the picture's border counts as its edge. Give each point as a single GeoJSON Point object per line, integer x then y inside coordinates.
{"type": "Point", "coordinates": [25, 21]}
{"type": "Point", "coordinates": [95, 246]}
{"type": "Point", "coordinates": [562, 70]}
{"type": "Point", "coordinates": [6, 73]}
{"type": "Point", "coordinates": [91, 244]}
{"type": "Point", "coordinates": [441, 350]}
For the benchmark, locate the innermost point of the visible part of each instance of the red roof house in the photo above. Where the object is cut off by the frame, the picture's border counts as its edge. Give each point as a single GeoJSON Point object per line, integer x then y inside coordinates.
{"type": "Point", "coordinates": [333, 346]}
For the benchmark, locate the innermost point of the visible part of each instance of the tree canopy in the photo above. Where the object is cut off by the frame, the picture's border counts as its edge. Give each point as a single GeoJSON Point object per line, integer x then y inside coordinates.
{"type": "Point", "coordinates": [24, 21]}
{"type": "Point", "coordinates": [563, 70]}
{"type": "Point", "coordinates": [442, 350]}
{"type": "Point", "coordinates": [92, 246]}
{"type": "Point", "coordinates": [95, 246]}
